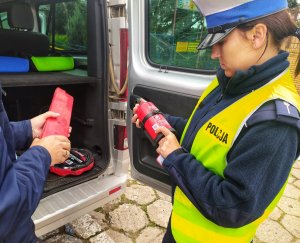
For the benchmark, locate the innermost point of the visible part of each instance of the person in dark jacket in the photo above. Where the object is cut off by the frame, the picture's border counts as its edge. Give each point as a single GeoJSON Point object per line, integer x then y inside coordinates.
{"type": "Point", "coordinates": [236, 150]}
{"type": "Point", "coordinates": [22, 178]}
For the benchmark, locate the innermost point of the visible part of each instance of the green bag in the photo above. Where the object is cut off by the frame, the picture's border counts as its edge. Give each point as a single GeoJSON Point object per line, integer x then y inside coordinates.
{"type": "Point", "coordinates": [51, 63]}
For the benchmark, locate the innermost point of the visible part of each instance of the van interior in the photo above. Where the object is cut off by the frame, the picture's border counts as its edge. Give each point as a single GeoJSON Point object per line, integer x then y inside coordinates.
{"type": "Point", "coordinates": [52, 31]}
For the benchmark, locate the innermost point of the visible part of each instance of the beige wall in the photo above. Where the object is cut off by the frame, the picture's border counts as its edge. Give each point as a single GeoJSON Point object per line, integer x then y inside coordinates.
{"type": "Point", "coordinates": [293, 47]}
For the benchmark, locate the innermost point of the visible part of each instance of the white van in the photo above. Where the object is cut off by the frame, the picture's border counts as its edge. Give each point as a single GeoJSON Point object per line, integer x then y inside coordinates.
{"type": "Point", "coordinates": [164, 67]}
{"type": "Point", "coordinates": [75, 29]}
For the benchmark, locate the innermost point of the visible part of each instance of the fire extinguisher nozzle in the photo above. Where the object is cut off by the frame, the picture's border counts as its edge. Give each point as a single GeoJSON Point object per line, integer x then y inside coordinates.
{"type": "Point", "coordinates": [133, 100]}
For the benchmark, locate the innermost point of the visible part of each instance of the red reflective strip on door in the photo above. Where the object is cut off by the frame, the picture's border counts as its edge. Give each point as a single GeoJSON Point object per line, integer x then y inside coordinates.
{"type": "Point", "coordinates": [115, 190]}
{"type": "Point", "coordinates": [123, 58]}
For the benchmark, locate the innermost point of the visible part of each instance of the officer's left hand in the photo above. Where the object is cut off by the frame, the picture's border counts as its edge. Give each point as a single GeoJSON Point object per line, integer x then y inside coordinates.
{"type": "Point", "coordinates": [38, 122]}
{"type": "Point", "coordinates": [134, 118]}
{"type": "Point", "coordinates": [168, 144]}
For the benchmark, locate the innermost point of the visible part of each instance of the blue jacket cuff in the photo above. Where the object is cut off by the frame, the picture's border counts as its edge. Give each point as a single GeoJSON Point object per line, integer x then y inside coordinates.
{"type": "Point", "coordinates": [172, 156]}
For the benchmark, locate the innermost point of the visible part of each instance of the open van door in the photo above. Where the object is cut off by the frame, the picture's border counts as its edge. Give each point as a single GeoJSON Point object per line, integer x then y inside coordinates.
{"type": "Point", "coordinates": [166, 69]}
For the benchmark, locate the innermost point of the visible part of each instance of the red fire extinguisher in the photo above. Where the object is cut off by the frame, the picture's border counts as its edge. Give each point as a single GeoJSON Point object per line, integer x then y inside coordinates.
{"type": "Point", "coordinates": [151, 118]}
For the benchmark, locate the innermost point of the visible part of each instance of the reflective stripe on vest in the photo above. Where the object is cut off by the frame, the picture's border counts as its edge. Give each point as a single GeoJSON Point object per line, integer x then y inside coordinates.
{"type": "Point", "coordinates": [211, 146]}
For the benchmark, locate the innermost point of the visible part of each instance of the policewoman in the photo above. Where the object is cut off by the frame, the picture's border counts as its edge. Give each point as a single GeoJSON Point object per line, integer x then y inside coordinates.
{"type": "Point", "coordinates": [236, 150]}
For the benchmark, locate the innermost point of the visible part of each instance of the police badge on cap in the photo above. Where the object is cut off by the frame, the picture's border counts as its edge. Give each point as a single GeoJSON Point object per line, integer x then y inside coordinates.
{"type": "Point", "coordinates": [222, 16]}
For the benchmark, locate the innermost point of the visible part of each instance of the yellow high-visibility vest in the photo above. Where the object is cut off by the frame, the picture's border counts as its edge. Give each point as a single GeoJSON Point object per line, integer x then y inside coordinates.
{"type": "Point", "coordinates": [211, 146]}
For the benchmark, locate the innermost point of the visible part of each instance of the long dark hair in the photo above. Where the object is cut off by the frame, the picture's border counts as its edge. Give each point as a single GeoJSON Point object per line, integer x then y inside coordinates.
{"type": "Point", "coordinates": [280, 26]}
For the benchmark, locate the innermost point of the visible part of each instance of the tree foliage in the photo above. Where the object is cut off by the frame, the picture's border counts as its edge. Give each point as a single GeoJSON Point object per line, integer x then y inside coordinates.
{"type": "Point", "coordinates": [70, 24]}
{"type": "Point", "coordinates": [166, 18]}
{"type": "Point", "coordinates": [293, 3]}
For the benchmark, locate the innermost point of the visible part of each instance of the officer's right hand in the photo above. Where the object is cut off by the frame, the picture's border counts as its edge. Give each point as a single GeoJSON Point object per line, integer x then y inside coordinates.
{"type": "Point", "coordinates": [58, 147]}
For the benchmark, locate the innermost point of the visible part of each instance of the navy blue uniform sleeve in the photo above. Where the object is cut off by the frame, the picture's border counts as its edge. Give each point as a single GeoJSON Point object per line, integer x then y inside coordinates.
{"type": "Point", "coordinates": [258, 166]}
{"type": "Point", "coordinates": [22, 133]}
{"type": "Point", "coordinates": [21, 185]}
{"type": "Point", "coordinates": [178, 123]}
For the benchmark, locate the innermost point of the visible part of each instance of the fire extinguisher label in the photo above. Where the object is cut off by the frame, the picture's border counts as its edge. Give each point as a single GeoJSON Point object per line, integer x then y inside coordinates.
{"type": "Point", "coordinates": [155, 126]}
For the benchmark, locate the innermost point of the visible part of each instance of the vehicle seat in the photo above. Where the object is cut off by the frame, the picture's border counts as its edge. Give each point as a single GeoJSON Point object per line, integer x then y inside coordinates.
{"type": "Point", "coordinates": [20, 17]}
{"type": "Point", "coordinates": [20, 40]}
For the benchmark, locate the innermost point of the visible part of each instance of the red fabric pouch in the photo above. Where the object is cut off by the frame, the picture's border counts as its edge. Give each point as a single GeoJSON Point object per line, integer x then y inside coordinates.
{"type": "Point", "coordinates": [62, 103]}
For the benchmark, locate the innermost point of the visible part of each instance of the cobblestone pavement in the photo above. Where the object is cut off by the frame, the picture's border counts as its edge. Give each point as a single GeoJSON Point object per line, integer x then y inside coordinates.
{"type": "Point", "coordinates": [141, 216]}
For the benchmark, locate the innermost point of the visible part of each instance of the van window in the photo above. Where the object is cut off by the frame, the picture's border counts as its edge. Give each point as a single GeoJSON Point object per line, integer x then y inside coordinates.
{"type": "Point", "coordinates": [65, 23]}
{"type": "Point", "coordinates": [175, 30]}
{"type": "Point", "coordinates": [4, 22]}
